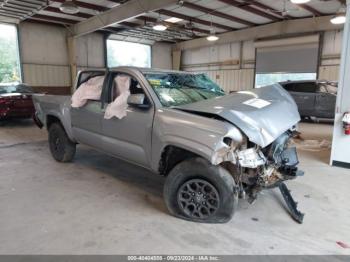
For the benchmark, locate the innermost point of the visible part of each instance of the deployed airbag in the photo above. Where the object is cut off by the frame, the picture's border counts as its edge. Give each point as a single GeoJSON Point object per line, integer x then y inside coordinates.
{"type": "Point", "coordinates": [119, 106]}
{"type": "Point", "coordinates": [90, 90]}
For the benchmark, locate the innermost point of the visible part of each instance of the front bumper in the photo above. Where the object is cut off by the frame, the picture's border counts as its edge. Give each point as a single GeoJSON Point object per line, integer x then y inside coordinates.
{"type": "Point", "coordinates": [289, 160]}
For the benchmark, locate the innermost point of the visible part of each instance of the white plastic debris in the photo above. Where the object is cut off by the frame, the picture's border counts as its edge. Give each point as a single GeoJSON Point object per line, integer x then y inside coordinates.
{"type": "Point", "coordinates": [119, 106]}
{"type": "Point", "coordinates": [90, 90]}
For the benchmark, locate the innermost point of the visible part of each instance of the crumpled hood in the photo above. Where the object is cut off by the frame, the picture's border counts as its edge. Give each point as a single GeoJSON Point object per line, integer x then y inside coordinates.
{"type": "Point", "coordinates": [262, 114]}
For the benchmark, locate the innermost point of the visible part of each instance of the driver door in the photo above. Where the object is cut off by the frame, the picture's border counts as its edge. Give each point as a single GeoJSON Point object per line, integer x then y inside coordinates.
{"type": "Point", "coordinates": [129, 138]}
{"type": "Point", "coordinates": [87, 120]}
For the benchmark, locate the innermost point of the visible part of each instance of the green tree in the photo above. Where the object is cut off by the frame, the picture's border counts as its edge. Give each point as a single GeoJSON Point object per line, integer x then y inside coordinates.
{"type": "Point", "coordinates": [9, 67]}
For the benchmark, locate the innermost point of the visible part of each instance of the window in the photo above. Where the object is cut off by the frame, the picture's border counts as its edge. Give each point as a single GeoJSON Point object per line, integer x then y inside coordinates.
{"type": "Point", "coordinates": [9, 55]}
{"type": "Point", "coordinates": [135, 87]}
{"type": "Point", "coordinates": [305, 87]}
{"type": "Point", "coordinates": [87, 75]}
{"type": "Point", "coordinates": [120, 53]}
{"type": "Point", "coordinates": [279, 60]}
{"type": "Point", "coordinates": [175, 89]}
{"type": "Point", "coordinates": [271, 78]}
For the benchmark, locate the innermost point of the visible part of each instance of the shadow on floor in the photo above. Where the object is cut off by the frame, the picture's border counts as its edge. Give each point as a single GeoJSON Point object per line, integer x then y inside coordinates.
{"type": "Point", "coordinates": [16, 122]}
{"type": "Point", "coordinates": [131, 174]}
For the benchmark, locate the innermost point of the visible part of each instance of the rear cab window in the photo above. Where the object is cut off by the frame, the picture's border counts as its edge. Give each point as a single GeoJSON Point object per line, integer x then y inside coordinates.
{"type": "Point", "coordinates": [304, 87]}
{"type": "Point", "coordinates": [86, 76]}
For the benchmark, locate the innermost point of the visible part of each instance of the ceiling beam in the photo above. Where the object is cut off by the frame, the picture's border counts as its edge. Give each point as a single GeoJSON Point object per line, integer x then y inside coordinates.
{"type": "Point", "coordinates": [310, 9]}
{"type": "Point", "coordinates": [58, 11]}
{"type": "Point", "coordinates": [283, 28]}
{"type": "Point", "coordinates": [44, 22]}
{"type": "Point", "coordinates": [264, 7]}
{"type": "Point", "coordinates": [195, 20]}
{"type": "Point", "coordinates": [86, 5]}
{"type": "Point", "coordinates": [10, 9]}
{"type": "Point", "coordinates": [7, 14]}
{"type": "Point", "coordinates": [217, 13]}
{"type": "Point", "coordinates": [175, 26]}
{"type": "Point", "coordinates": [173, 31]}
{"type": "Point", "coordinates": [55, 19]}
{"type": "Point", "coordinates": [251, 9]}
{"type": "Point", "coordinates": [118, 1]}
{"type": "Point", "coordinates": [130, 9]}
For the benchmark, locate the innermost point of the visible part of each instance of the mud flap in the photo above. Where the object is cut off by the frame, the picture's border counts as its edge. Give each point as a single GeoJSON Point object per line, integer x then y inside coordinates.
{"type": "Point", "coordinates": [291, 204]}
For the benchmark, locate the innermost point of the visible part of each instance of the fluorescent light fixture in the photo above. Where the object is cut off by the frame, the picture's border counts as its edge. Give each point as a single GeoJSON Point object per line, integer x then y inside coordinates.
{"type": "Point", "coordinates": [159, 27]}
{"type": "Point", "coordinates": [300, 1]}
{"type": "Point", "coordinates": [212, 37]}
{"type": "Point", "coordinates": [173, 20]}
{"type": "Point", "coordinates": [338, 19]}
{"type": "Point", "coordinates": [69, 7]}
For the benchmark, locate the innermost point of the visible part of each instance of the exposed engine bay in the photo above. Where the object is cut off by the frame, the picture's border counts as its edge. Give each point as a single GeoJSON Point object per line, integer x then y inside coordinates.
{"type": "Point", "coordinates": [255, 168]}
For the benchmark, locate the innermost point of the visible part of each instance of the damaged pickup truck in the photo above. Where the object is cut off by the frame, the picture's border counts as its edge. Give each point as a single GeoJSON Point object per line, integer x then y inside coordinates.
{"type": "Point", "coordinates": [213, 148]}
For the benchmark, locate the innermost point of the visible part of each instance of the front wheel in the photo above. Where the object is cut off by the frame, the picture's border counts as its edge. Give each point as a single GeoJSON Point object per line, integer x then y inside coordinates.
{"type": "Point", "coordinates": [61, 147]}
{"type": "Point", "coordinates": [197, 191]}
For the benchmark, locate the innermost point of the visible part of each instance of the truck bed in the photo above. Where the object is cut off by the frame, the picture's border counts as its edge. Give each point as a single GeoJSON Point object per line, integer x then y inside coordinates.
{"type": "Point", "coordinates": [54, 106]}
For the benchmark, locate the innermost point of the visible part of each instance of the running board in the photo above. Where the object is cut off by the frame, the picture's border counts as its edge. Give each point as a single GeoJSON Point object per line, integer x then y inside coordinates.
{"type": "Point", "coordinates": [291, 204]}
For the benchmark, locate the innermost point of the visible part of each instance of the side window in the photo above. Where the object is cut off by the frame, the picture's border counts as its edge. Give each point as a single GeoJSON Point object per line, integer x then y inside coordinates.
{"type": "Point", "coordinates": [86, 76]}
{"type": "Point", "coordinates": [135, 87]}
{"type": "Point", "coordinates": [288, 87]}
{"type": "Point", "coordinates": [89, 86]}
{"type": "Point", "coordinates": [307, 87]}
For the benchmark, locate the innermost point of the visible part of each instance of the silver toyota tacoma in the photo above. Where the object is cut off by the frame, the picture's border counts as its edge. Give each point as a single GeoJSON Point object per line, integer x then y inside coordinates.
{"type": "Point", "coordinates": [213, 148]}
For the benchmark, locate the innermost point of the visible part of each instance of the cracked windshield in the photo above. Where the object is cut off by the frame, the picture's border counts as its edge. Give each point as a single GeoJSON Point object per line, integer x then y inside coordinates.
{"type": "Point", "coordinates": [175, 89]}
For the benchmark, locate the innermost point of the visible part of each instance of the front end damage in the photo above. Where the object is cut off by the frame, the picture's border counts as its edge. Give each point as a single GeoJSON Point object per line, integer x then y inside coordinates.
{"type": "Point", "coordinates": [255, 168]}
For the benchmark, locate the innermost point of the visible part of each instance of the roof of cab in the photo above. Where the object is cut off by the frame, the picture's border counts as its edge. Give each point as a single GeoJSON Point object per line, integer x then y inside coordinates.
{"type": "Point", "coordinates": [144, 70]}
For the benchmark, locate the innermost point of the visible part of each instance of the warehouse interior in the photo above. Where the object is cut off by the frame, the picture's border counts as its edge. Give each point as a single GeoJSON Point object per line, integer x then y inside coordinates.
{"type": "Point", "coordinates": [99, 204]}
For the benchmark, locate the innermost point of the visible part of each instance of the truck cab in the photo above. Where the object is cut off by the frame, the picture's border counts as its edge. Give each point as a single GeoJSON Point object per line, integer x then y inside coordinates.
{"type": "Point", "coordinates": [113, 135]}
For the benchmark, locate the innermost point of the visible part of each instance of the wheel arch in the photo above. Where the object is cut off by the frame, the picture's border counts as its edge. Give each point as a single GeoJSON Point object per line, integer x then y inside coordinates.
{"type": "Point", "coordinates": [50, 119]}
{"type": "Point", "coordinates": [172, 155]}
{"type": "Point", "coordinates": [54, 118]}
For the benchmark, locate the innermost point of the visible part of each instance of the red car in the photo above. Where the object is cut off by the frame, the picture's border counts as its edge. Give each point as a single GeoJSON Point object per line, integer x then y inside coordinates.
{"type": "Point", "coordinates": [16, 101]}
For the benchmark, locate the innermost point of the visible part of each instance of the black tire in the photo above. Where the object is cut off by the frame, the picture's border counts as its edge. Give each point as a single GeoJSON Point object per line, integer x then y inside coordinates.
{"type": "Point", "coordinates": [61, 147]}
{"type": "Point", "coordinates": [216, 183]}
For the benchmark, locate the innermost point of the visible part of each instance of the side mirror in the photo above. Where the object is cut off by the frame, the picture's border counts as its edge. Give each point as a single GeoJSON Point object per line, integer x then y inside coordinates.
{"type": "Point", "coordinates": [138, 100]}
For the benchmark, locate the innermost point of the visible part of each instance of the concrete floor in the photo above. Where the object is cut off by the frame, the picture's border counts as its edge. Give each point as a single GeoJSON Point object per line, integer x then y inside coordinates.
{"type": "Point", "coordinates": [100, 205]}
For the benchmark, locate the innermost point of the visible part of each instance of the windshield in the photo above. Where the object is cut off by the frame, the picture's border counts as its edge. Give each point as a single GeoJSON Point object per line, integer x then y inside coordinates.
{"type": "Point", "coordinates": [15, 89]}
{"type": "Point", "coordinates": [175, 89]}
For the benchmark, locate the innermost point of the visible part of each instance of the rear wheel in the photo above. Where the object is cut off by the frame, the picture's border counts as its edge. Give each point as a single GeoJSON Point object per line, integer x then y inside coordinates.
{"type": "Point", "coordinates": [61, 147]}
{"type": "Point", "coordinates": [198, 191]}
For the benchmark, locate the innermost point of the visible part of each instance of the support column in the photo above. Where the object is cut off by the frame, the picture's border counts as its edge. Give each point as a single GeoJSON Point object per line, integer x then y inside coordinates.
{"type": "Point", "coordinates": [72, 56]}
{"type": "Point", "coordinates": [341, 143]}
{"type": "Point", "coordinates": [176, 56]}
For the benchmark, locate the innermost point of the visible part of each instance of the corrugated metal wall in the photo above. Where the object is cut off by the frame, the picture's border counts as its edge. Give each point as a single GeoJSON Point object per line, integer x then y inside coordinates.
{"type": "Point", "coordinates": [46, 75]}
{"type": "Point", "coordinates": [330, 57]}
{"type": "Point", "coordinates": [44, 56]}
{"type": "Point", "coordinates": [329, 73]}
{"type": "Point", "coordinates": [232, 80]}
{"type": "Point", "coordinates": [232, 65]}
